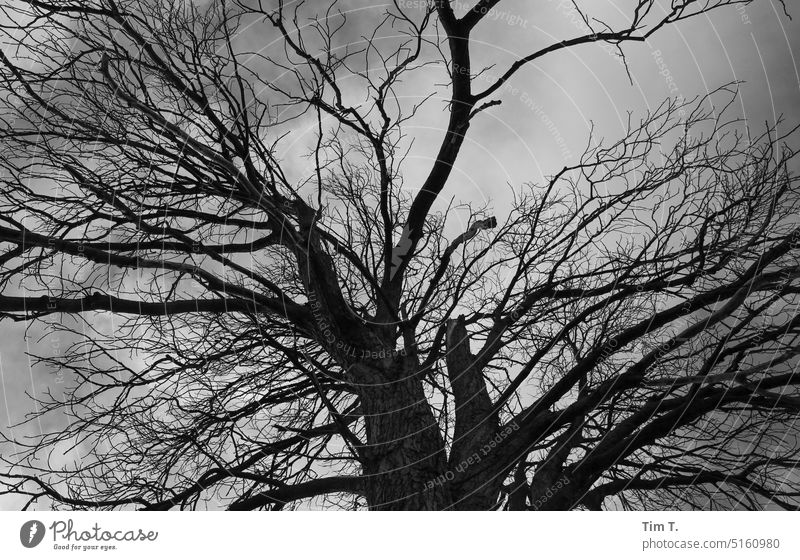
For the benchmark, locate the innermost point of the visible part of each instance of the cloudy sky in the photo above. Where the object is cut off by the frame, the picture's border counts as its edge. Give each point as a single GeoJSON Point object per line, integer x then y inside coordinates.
{"type": "Point", "coordinates": [546, 114]}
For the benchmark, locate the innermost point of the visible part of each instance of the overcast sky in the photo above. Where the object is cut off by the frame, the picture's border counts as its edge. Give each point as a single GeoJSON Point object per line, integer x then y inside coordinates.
{"type": "Point", "coordinates": [546, 115]}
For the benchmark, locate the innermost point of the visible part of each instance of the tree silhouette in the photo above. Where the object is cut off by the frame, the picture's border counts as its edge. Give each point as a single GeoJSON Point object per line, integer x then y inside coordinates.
{"type": "Point", "coordinates": [259, 325]}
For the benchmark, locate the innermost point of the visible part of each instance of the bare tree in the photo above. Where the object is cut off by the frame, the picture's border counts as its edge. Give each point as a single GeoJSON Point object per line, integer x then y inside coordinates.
{"type": "Point", "coordinates": [259, 326]}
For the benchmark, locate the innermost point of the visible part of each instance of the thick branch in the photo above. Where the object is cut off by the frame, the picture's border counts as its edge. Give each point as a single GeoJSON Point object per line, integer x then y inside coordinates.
{"type": "Point", "coordinates": [310, 489]}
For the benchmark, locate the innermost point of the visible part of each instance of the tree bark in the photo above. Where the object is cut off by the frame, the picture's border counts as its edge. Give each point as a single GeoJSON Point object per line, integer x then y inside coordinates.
{"type": "Point", "coordinates": [405, 450]}
{"type": "Point", "coordinates": [475, 425]}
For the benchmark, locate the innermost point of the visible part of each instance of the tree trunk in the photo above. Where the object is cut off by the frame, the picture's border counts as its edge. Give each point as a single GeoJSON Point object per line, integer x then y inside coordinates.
{"type": "Point", "coordinates": [474, 486]}
{"type": "Point", "coordinates": [405, 450]}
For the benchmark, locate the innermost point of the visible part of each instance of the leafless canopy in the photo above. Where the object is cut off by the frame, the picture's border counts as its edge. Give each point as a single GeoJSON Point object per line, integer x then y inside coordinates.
{"type": "Point", "coordinates": [208, 199]}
